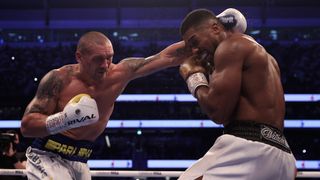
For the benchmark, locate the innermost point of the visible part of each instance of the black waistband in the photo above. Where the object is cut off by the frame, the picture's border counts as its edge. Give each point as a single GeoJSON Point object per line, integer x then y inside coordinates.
{"type": "Point", "coordinates": [258, 132]}
{"type": "Point", "coordinates": [67, 148]}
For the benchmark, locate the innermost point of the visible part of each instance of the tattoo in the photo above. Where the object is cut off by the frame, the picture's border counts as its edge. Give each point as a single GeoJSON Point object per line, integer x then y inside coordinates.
{"type": "Point", "coordinates": [70, 70]}
{"type": "Point", "coordinates": [48, 92]}
{"type": "Point", "coordinates": [50, 87]}
{"type": "Point", "coordinates": [35, 108]}
{"type": "Point", "coordinates": [137, 63]}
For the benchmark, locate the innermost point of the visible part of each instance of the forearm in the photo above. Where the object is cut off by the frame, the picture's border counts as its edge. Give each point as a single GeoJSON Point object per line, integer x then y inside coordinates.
{"type": "Point", "coordinates": [139, 67]}
{"type": "Point", "coordinates": [209, 104]}
{"type": "Point", "coordinates": [34, 125]}
{"type": "Point", "coordinates": [203, 100]}
{"type": "Point", "coordinates": [155, 63]}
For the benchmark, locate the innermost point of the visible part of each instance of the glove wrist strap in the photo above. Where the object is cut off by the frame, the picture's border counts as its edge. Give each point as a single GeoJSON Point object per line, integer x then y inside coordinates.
{"type": "Point", "coordinates": [196, 80]}
{"type": "Point", "coordinates": [55, 123]}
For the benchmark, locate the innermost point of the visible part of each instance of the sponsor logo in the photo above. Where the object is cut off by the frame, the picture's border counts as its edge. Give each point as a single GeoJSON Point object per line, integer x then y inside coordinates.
{"type": "Point", "coordinates": [273, 136]}
{"type": "Point", "coordinates": [67, 149]}
{"type": "Point", "coordinates": [157, 173]}
{"type": "Point", "coordinates": [36, 162]}
{"type": "Point", "coordinates": [55, 121]}
{"type": "Point", "coordinates": [228, 20]}
{"type": "Point", "coordinates": [114, 172]}
{"type": "Point", "coordinates": [79, 120]}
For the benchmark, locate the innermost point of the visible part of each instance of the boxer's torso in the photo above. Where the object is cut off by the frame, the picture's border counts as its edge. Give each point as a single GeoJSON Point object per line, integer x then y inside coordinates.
{"type": "Point", "coordinates": [104, 92]}
{"type": "Point", "coordinates": [261, 97]}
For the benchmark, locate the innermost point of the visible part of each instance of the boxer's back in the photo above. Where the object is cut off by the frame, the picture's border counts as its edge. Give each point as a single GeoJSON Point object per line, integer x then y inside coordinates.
{"type": "Point", "coordinates": [261, 97]}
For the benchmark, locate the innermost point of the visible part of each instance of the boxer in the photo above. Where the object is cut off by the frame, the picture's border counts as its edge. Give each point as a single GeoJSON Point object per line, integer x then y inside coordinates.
{"type": "Point", "coordinates": [73, 104]}
{"type": "Point", "coordinates": [243, 92]}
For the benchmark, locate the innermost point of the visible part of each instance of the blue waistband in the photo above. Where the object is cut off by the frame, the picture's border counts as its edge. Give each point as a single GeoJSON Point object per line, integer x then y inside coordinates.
{"type": "Point", "coordinates": [67, 148]}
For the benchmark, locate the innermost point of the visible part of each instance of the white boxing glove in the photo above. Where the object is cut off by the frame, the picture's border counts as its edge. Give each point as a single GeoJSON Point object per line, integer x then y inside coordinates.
{"type": "Point", "coordinates": [232, 19]}
{"type": "Point", "coordinates": [81, 110]}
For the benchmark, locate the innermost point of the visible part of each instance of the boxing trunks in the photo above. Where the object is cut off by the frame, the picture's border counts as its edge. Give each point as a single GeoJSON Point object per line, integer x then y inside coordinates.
{"type": "Point", "coordinates": [58, 157]}
{"type": "Point", "coordinates": [246, 151]}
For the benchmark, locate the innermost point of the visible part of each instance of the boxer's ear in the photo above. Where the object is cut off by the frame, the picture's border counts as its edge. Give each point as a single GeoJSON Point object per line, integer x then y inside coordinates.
{"type": "Point", "coordinates": [78, 56]}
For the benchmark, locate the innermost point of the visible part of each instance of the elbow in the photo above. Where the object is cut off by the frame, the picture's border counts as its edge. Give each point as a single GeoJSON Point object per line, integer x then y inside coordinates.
{"type": "Point", "coordinates": [213, 114]}
{"type": "Point", "coordinates": [33, 125]}
{"type": "Point", "coordinates": [25, 126]}
{"type": "Point", "coordinates": [216, 118]}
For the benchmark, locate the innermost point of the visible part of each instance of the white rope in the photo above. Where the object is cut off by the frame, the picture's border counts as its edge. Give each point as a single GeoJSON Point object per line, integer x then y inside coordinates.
{"type": "Point", "coordinates": [115, 173]}
{"type": "Point", "coordinates": [12, 172]}
{"type": "Point", "coordinates": [136, 173]}
{"type": "Point", "coordinates": [308, 174]}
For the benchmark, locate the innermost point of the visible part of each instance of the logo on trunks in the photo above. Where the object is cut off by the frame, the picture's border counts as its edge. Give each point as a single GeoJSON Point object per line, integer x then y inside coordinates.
{"type": "Point", "coordinates": [36, 162]}
{"type": "Point", "coordinates": [82, 119]}
{"type": "Point", "coordinates": [273, 136]}
{"type": "Point", "coordinates": [68, 149]}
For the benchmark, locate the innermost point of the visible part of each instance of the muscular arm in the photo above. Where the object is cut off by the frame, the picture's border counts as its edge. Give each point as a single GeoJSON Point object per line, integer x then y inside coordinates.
{"type": "Point", "coordinates": [169, 57]}
{"type": "Point", "coordinates": [42, 105]}
{"type": "Point", "coordinates": [220, 98]}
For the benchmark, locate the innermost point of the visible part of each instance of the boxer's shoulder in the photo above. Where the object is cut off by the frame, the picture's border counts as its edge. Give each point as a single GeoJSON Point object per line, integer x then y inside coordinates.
{"type": "Point", "coordinates": [65, 73]}
{"type": "Point", "coordinates": [238, 43]}
{"type": "Point", "coordinates": [57, 78]}
{"type": "Point", "coordinates": [69, 69]}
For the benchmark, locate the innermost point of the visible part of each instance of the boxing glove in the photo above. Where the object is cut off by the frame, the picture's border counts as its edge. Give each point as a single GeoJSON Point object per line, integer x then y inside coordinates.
{"type": "Point", "coordinates": [193, 74]}
{"type": "Point", "coordinates": [234, 20]}
{"type": "Point", "coordinates": [81, 110]}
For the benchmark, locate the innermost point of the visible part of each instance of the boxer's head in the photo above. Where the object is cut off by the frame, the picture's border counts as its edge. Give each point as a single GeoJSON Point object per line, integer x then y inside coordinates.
{"type": "Point", "coordinates": [200, 30]}
{"type": "Point", "coordinates": [94, 54]}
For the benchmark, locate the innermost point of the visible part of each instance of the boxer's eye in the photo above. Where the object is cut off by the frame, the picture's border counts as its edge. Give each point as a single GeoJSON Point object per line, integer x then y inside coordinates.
{"type": "Point", "coordinates": [98, 59]}
{"type": "Point", "coordinates": [193, 42]}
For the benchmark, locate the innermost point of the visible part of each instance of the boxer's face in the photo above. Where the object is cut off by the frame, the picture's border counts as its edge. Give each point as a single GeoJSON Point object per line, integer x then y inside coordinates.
{"type": "Point", "coordinates": [202, 40]}
{"type": "Point", "coordinates": [98, 60]}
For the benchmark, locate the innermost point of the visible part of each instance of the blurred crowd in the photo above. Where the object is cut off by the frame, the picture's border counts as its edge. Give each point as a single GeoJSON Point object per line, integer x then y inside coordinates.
{"type": "Point", "coordinates": [22, 67]}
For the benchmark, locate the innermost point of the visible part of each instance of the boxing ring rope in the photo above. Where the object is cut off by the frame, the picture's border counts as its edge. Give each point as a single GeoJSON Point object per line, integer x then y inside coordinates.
{"type": "Point", "coordinates": [141, 174]}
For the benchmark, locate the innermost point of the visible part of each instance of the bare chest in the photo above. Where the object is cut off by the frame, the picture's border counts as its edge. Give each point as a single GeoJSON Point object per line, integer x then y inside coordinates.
{"type": "Point", "coordinates": [105, 95]}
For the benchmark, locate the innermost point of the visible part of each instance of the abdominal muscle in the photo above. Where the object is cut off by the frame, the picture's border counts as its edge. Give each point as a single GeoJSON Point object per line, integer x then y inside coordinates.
{"type": "Point", "coordinates": [259, 112]}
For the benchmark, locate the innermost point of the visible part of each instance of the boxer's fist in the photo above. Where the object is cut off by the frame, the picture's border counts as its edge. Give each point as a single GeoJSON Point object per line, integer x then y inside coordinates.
{"type": "Point", "coordinates": [191, 66]}
{"type": "Point", "coordinates": [232, 19]}
{"type": "Point", "coordinates": [193, 74]}
{"type": "Point", "coordinates": [81, 110]}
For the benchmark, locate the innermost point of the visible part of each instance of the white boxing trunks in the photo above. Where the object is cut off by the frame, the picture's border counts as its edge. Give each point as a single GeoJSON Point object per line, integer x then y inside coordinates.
{"type": "Point", "coordinates": [58, 157]}
{"type": "Point", "coordinates": [42, 165]}
{"type": "Point", "coordinates": [239, 158]}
